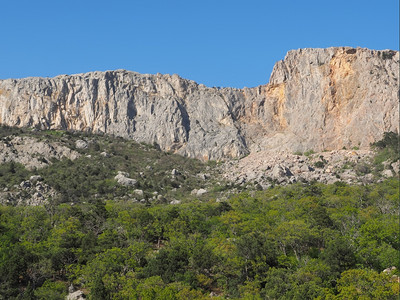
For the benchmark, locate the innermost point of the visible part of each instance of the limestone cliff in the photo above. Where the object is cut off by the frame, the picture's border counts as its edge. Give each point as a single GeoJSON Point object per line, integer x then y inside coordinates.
{"type": "Point", "coordinates": [316, 99]}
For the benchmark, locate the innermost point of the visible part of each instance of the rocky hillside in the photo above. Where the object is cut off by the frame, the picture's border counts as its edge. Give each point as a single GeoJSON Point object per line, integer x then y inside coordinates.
{"type": "Point", "coordinates": [42, 167]}
{"type": "Point", "coordinates": [319, 99]}
{"type": "Point", "coordinates": [51, 167]}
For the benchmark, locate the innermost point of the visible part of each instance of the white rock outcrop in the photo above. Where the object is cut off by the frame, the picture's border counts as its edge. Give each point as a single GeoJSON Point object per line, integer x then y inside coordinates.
{"type": "Point", "coordinates": [33, 153]}
{"type": "Point", "coordinates": [123, 179]}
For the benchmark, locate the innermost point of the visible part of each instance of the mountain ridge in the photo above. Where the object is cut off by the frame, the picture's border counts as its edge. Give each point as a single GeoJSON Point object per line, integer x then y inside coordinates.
{"type": "Point", "coordinates": [315, 99]}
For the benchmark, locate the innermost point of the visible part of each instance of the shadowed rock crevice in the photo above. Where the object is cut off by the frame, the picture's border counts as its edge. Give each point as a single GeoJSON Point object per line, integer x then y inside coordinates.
{"type": "Point", "coordinates": [185, 119]}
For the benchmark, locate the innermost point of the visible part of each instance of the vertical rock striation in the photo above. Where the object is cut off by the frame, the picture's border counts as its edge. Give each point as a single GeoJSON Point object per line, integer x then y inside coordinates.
{"type": "Point", "coordinates": [316, 99]}
{"type": "Point", "coordinates": [349, 96]}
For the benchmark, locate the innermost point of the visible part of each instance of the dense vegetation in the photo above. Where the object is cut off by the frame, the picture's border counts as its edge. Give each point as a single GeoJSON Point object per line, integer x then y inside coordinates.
{"type": "Point", "coordinates": [304, 241]}
{"type": "Point", "coordinates": [326, 242]}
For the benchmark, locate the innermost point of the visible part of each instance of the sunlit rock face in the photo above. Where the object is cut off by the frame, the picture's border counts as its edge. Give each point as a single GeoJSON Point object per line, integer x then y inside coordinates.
{"type": "Point", "coordinates": [316, 99]}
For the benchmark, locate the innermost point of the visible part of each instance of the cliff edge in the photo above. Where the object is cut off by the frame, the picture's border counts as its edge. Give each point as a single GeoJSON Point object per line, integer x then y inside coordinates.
{"type": "Point", "coordinates": [320, 99]}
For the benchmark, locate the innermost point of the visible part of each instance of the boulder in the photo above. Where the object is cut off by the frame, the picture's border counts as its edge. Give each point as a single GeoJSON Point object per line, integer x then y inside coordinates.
{"type": "Point", "coordinates": [203, 176]}
{"type": "Point", "coordinates": [305, 168]}
{"type": "Point", "coordinates": [280, 171]}
{"type": "Point", "coordinates": [77, 295]}
{"type": "Point", "coordinates": [175, 172]}
{"type": "Point", "coordinates": [105, 154]}
{"type": "Point", "coordinates": [35, 178]}
{"type": "Point", "coordinates": [201, 192]}
{"type": "Point", "coordinates": [387, 173]}
{"type": "Point", "coordinates": [396, 166]}
{"type": "Point", "coordinates": [81, 144]}
{"type": "Point", "coordinates": [123, 179]}
{"type": "Point", "coordinates": [277, 172]}
{"type": "Point", "coordinates": [138, 193]}
{"type": "Point", "coordinates": [25, 184]}
{"type": "Point", "coordinates": [389, 270]}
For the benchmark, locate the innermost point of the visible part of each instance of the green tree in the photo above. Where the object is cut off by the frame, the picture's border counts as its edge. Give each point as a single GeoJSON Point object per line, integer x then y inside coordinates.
{"type": "Point", "coordinates": [367, 284]}
{"type": "Point", "coordinates": [339, 255]}
{"type": "Point", "coordinates": [258, 254]}
{"type": "Point", "coordinates": [169, 263]}
{"type": "Point", "coordinates": [98, 290]}
{"type": "Point", "coordinates": [51, 290]}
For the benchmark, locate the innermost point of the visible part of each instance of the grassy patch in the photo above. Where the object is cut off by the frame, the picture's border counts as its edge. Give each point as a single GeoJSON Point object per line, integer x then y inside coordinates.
{"type": "Point", "coordinates": [309, 152]}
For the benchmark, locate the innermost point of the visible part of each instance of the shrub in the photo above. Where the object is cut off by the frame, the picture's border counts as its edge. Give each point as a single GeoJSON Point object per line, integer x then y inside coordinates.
{"type": "Point", "coordinates": [390, 140]}
{"type": "Point", "coordinates": [319, 164]}
{"type": "Point", "coordinates": [387, 149]}
{"type": "Point", "coordinates": [51, 290]}
{"type": "Point", "coordinates": [309, 152]}
{"type": "Point", "coordinates": [362, 169]}
{"type": "Point", "coordinates": [12, 173]}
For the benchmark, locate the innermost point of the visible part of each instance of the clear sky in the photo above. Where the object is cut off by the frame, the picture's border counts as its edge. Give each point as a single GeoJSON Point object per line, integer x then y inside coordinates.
{"type": "Point", "coordinates": [217, 43]}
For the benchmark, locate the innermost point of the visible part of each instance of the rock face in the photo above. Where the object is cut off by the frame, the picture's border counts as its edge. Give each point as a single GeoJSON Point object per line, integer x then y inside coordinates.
{"type": "Point", "coordinates": [33, 153]}
{"type": "Point", "coordinates": [316, 99]}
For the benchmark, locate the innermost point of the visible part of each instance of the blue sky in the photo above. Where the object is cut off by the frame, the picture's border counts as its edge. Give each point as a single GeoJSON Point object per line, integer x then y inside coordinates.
{"type": "Point", "coordinates": [217, 43]}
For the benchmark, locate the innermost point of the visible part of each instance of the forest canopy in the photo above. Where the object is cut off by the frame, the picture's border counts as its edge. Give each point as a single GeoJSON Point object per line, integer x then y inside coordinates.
{"type": "Point", "coordinates": [297, 242]}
